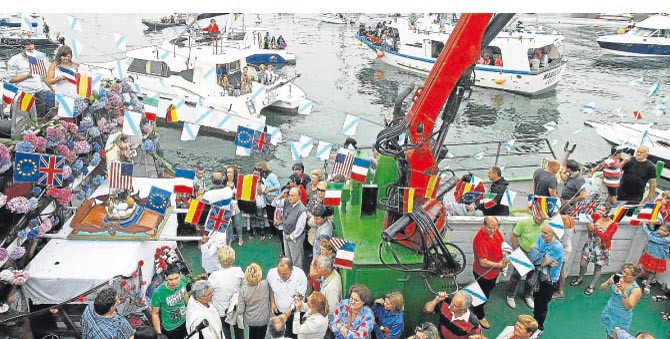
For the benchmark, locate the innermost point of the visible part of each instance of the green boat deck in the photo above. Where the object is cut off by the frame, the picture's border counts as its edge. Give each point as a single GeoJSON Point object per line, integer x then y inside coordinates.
{"type": "Point", "coordinates": [577, 312]}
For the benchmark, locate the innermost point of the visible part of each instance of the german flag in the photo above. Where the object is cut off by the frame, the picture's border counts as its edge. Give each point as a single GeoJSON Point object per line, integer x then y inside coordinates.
{"type": "Point", "coordinates": [84, 84]}
{"type": "Point", "coordinates": [26, 102]}
{"type": "Point", "coordinates": [171, 114]}
{"type": "Point", "coordinates": [197, 213]}
{"type": "Point", "coordinates": [246, 187]}
{"type": "Point", "coordinates": [407, 199]}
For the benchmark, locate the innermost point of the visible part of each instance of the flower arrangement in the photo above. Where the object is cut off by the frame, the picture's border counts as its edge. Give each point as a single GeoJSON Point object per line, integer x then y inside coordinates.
{"type": "Point", "coordinates": [17, 253]}
{"type": "Point", "coordinates": [3, 253]}
{"type": "Point", "coordinates": [19, 205]}
{"type": "Point", "coordinates": [149, 146]}
{"type": "Point", "coordinates": [39, 143]}
{"type": "Point", "coordinates": [55, 135]}
{"type": "Point", "coordinates": [25, 147]}
{"type": "Point", "coordinates": [62, 195]}
{"type": "Point", "coordinates": [163, 257]}
{"type": "Point", "coordinates": [14, 277]}
{"type": "Point", "coordinates": [81, 147]}
{"type": "Point", "coordinates": [5, 158]}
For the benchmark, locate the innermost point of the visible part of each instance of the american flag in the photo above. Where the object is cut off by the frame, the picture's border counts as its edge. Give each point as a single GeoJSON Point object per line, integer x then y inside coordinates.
{"type": "Point", "coordinates": [37, 65]}
{"type": "Point", "coordinates": [343, 163]}
{"type": "Point", "coordinates": [337, 242]}
{"type": "Point", "coordinates": [121, 175]}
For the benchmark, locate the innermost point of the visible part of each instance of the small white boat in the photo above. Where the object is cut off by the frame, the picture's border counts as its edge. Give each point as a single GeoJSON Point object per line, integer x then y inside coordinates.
{"type": "Point", "coordinates": [416, 47]}
{"type": "Point", "coordinates": [657, 139]}
{"type": "Point", "coordinates": [648, 38]}
{"type": "Point", "coordinates": [615, 16]}
{"type": "Point", "coordinates": [338, 19]}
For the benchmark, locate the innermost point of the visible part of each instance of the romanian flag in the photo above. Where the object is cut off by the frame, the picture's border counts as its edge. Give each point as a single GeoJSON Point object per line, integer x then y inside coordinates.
{"type": "Point", "coordinates": [171, 114]}
{"type": "Point", "coordinates": [84, 83]}
{"type": "Point", "coordinates": [26, 101]}
{"type": "Point", "coordinates": [198, 213]}
{"type": "Point", "coordinates": [246, 187]}
{"type": "Point", "coordinates": [433, 182]}
{"type": "Point", "coordinates": [407, 199]}
{"type": "Point", "coordinates": [150, 108]}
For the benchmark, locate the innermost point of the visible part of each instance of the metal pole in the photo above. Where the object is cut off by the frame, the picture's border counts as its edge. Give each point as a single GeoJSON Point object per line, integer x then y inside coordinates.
{"type": "Point", "coordinates": [163, 238]}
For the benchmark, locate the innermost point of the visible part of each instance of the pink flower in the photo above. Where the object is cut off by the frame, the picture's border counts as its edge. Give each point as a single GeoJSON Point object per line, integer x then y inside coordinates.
{"type": "Point", "coordinates": [69, 126]}
{"type": "Point", "coordinates": [81, 147]}
{"type": "Point", "coordinates": [62, 195]}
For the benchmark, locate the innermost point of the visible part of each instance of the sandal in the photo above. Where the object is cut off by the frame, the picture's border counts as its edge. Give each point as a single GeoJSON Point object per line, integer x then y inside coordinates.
{"type": "Point", "coordinates": [658, 298]}
{"type": "Point", "coordinates": [666, 316]}
{"type": "Point", "coordinates": [588, 291]}
{"type": "Point", "coordinates": [576, 282]}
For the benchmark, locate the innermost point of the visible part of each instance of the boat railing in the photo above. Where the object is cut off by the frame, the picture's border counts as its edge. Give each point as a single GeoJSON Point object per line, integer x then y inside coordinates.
{"type": "Point", "coordinates": [528, 153]}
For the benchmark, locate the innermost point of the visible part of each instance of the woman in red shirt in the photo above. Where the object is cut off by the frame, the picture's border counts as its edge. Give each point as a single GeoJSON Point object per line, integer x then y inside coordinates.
{"type": "Point", "coordinates": [489, 260]}
{"type": "Point", "coordinates": [597, 247]}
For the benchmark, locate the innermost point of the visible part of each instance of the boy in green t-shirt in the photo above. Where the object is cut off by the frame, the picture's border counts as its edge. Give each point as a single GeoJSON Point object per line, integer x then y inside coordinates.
{"type": "Point", "coordinates": [169, 301]}
{"type": "Point", "coordinates": [524, 234]}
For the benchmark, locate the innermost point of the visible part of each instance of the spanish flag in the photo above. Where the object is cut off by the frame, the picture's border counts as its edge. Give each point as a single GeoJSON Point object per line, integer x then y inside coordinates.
{"type": "Point", "coordinates": [26, 102]}
{"type": "Point", "coordinates": [197, 213]}
{"type": "Point", "coordinates": [407, 199]}
{"type": "Point", "coordinates": [84, 84]}
{"type": "Point", "coordinates": [433, 182]}
{"type": "Point", "coordinates": [171, 114]}
{"type": "Point", "coordinates": [246, 187]}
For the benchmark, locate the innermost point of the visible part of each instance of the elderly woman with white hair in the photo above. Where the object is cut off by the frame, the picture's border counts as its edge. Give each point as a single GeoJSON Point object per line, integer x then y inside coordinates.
{"type": "Point", "coordinates": [200, 308]}
{"type": "Point", "coordinates": [226, 282]}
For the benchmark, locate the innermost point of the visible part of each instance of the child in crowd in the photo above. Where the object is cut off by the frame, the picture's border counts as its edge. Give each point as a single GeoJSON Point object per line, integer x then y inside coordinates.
{"type": "Point", "coordinates": [652, 260]}
{"type": "Point", "coordinates": [611, 168]}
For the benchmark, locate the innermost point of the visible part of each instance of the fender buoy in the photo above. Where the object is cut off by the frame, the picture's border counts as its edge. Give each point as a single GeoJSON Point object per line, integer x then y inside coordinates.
{"type": "Point", "coordinates": [621, 30]}
{"type": "Point", "coordinates": [380, 54]}
{"type": "Point", "coordinates": [499, 81]}
{"type": "Point", "coordinates": [360, 43]}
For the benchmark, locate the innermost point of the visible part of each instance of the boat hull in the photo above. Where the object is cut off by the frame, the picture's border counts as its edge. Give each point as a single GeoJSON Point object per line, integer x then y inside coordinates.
{"type": "Point", "coordinates": [38, 42]}
{"type": "Point", "coordinates": [635, 49]}
{"type": "Point", "coordinates": [520, 82]}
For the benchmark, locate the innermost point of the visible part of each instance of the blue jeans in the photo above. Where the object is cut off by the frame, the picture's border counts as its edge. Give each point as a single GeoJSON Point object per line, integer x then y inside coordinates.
{"type": "Point", "coordinates": [236, 222]}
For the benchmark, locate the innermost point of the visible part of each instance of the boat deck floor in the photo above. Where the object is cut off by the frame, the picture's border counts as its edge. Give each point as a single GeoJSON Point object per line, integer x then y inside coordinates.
{"type": "Point", "coordinates": [576, 316]}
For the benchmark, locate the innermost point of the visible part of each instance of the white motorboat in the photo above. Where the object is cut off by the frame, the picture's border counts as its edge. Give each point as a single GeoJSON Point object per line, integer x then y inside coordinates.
{"type": "Point", "coordinates": [519, 60]}
{"type": "Point", "coordinates": [657, 139]}
{"type": "Point", "coordinates": [615, 16]}
{"type": "Point", "coordinates": [338, 19]}
{"type": "Point", "coordinates": [648, 38]}
{"type": "Point", "coordinates": [192, 70]}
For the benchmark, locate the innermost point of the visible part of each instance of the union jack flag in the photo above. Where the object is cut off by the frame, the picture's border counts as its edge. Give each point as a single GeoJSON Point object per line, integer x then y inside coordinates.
{"type": "Point", "coordinates": [37, 65]}
{"type": "Point", "coordinates": [120, 175]}
{"type": "Point", "coordinates": [51, 170]}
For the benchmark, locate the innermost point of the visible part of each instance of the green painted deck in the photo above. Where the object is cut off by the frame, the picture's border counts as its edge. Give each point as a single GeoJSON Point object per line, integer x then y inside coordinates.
{"type": "Point", "coordinates": [576, 316]}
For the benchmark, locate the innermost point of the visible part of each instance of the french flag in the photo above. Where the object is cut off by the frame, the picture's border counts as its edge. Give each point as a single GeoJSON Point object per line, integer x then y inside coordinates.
{"type": "Point", "coordinates": [8, 93]}
{"type": "Point", "coordinates": [69, 74]}
{"type": "Point", "coordinates": [183, 180]}
{"type": "Point", "coordinates": [359, 170]}
{"type": "Point", "coordinates": [345, 256]}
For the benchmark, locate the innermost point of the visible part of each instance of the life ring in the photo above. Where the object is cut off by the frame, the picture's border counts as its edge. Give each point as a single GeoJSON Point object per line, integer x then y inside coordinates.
{"type": "Point", "coordinates": [380, 54]}
{"type": "Point", "coordinates": [499, 81]}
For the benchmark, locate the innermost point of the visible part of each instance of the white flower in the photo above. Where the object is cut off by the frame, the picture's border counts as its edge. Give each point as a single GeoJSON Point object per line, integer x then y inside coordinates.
{"type": "Point", "coordinates": [7, 275]}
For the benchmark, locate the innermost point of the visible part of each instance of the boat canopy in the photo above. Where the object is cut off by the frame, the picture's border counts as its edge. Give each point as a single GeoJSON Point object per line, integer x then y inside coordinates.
{"type": "Point", "coordinates": [655, 22]}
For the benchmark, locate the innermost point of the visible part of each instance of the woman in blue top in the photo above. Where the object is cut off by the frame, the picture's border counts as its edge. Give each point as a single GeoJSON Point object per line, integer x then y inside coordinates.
{"type": "Point", "coordinates": [625, 294]}
{"type": "Point", "coordinates": [352, 319]}
{"type": "Point", "coordinates": [389, 316]}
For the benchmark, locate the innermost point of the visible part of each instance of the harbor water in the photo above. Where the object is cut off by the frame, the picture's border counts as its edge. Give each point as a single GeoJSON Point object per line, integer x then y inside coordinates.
{"type": "Point", "coordinates": [342, 77]}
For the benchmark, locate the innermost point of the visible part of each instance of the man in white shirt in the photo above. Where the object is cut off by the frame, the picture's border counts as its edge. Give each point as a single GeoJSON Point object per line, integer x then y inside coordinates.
{"type": "Point", "coordinates": [25, 80]}
{"type": "Point", "coordinates": [330, 281]}
{"type": "Point", "coordinates": [286, 282]}
{"type": "Point", "coordinates": [218, 195]}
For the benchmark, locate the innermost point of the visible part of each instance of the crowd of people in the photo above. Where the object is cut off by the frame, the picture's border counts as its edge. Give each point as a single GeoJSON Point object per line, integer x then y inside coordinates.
{"type": "Point", "coordinates": [381, 34]}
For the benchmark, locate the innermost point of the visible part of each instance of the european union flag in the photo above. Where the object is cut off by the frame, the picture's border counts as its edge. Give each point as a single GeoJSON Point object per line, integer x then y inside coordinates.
{"type": "Point", "coordinates": [26, 167]}
{"type": "Point", "coordinates": [158, 200]}
{"type": "Point", "coordinates": [244, 137]}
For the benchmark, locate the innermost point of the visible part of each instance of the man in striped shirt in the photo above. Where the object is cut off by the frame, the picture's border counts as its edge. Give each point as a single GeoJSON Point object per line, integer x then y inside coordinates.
{"type": "Point", "coordinates": [611, 168]}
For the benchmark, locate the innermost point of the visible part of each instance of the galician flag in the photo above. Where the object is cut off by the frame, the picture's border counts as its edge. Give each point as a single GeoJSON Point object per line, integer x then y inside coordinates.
{"type": "Point", "coordinates": [478, 296]}
{"type": "Point", "coordinates": [508, 198]}
{"type": "Point", "coordinates": [131, 123]}
{"type": "Point", "coordinates": [521, 262]}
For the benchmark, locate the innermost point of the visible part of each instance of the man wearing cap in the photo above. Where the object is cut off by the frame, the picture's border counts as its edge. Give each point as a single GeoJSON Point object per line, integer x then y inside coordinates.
{"type": "Point", "coordinates": [573, 179]}
{"type": "Point", "coordinates": [636, 174]}
{"type": "Point", "coordinates": [547, 255]}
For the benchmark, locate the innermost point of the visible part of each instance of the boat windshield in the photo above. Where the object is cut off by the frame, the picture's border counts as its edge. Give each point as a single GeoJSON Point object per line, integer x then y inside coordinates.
{"type": "Point", "coordinates": [640, 31]}
{"type": "Point", "coordinates": [149, 67]}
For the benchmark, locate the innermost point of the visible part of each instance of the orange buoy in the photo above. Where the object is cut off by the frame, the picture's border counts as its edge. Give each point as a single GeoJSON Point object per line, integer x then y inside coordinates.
{"type": "Point", "coordinates": [380, 54]}
{"type": "Point", "coordinates": [499, 81]}
{"type": "Point", "coordinates": [379, 75]}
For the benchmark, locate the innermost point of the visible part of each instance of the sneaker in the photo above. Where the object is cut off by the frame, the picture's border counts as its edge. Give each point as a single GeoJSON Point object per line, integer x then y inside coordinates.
{"type": "Point", "coordinates": [536, 334]}
{"type": "Point", "coordinates": [510, 302]}
{"type": "Point", "coordinates": [251, 236]}
{"type": "Point", "coordinates": [485, 323]}
{"type": "Point", "coordinates": [558, 296]}
{"type": "Point", "coordinates": [530, 302]}
{"type": "Point", "coordinates": [647, 289]}
{"type": "Point", "coordinates": [262, 236]}
{"type": "Point", "coordinates": [240, 242]}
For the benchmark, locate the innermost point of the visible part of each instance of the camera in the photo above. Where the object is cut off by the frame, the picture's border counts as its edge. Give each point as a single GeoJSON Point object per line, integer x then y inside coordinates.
{"type": "Point", "coordinates": [616, 278]}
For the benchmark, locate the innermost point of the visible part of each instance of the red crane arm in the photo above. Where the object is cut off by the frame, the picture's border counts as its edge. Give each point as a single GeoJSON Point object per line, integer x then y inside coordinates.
{"type": "Point", "coordinates": [461, 52]}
